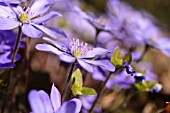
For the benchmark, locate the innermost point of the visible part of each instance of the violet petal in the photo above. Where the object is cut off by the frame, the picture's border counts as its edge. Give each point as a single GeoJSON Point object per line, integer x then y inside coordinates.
{"type": "Point", "coordinates": [31, 31]}
{"type": "Point", "coordinates": [85, 65]}
{"type": "Point", "coordinates": [55, 98]}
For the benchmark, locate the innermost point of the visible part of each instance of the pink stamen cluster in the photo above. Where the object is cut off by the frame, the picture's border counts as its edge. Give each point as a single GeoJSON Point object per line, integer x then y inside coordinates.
{"type": "Point", "coordinates": [76, 45]}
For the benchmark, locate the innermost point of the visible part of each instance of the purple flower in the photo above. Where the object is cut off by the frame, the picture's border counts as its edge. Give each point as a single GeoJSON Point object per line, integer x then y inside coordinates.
{"type": "Point", "coordinates": [29, 19]}
{"type": "Point", "coordinates": [77, 52]}
{"type": "Point", "coordinates": [87, 102]}
{"type": "Point", "coordinates": [124, 22]}
{"type": "Point", "coordinates": [7, 43]}
{"type": "Point", "coordinates": [40, 102]}
{"type": "Point", "coordinates": [101, 23]}
{"type": "Point", "coordinates": [147, 67]}
{"type": "Point", "coordinates": [129, 24]}
{"type": "Point", "coordinates": [5, 60]}
{"type": "Point", "coordinates": [121, 80]}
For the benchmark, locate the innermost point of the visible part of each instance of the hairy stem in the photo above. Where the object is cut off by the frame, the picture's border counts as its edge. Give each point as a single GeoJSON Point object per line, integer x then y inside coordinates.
{"type": "Point", "coordinates": [101, 92]}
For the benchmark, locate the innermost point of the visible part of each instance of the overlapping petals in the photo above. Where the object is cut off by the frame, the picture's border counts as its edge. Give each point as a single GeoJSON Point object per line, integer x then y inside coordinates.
{"type": "Point", "coordinates": [85, 58]}
{"type": "Point", "coordinates": [40, 102]}
{"type": "Point", "coordinates": [29, 19]}
{"type": "Point", "coordinates": [7, 43]}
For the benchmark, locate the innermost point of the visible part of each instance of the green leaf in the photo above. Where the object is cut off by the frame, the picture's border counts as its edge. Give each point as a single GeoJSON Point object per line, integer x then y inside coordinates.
{"type": "Point", "coordinates": [77, 85]}
{"type": "Point", "coordinates": [149, 84]}
{"type": "Point", "coordinates": [145, 86]}
{"type": "Point", "coordinates": [88, 91]}
{"type": "Point", "coordinates": [141, 87]}
{"type": "Point", "coordinates": [76, 82]}
{"type": "Point", "coordinates": [127, 58]}
{"type": "Point", "coordinates": [116, 58]}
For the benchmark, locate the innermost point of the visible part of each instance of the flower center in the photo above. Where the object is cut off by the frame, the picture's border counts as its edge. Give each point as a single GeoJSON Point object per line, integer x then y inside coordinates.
{"type": "Point", "coordinates": [23, 17]}
{"type": "Point", "coordinates": [78, 49]}
{"type": "Point", "coordinates": [77, 53]}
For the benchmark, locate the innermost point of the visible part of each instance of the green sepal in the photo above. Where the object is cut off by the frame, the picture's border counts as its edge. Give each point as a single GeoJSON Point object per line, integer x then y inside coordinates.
{"type": "Point", "coordinates": [88, 91]}
{"type": "Point", "coordinates": [145, 85]}
{"type": "Point", "coordinates": [116, 59]}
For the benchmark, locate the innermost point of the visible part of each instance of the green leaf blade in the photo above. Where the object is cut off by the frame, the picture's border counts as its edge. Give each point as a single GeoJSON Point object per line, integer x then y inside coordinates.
{"type": "Point", "coordinates": [88, 91]}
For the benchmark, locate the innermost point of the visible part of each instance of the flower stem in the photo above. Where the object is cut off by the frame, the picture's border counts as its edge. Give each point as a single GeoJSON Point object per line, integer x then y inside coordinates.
{"type": "Point", "coordinates": [101, 92]}
{"type": "Point", "coordinates": [66, 85]}
{"type": "Point", "coordinates": [96, 36]}
{"type": "Point", "coordinates": [17, 43]}
{"type": "Point", "coordinates": [144, 52]}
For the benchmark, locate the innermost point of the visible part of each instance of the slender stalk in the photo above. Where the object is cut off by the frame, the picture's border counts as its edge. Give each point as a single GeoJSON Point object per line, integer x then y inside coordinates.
{"type": "Point", "coordinates": [96, 36]}
{"type": "Point", "coordinates": [66, 85]}
{"type": "Point", "coordinates": [17, 43]}
{"type": "Point", "coordinates": [143, 54]}
{"type": "Point", "coordinates": [101, 92]}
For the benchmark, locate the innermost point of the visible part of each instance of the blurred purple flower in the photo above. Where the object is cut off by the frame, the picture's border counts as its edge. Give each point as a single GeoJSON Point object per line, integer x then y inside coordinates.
{"type": "Point", "coordinates": [77, 51]}
{"type": "Point", "coordinates": [122, 80]}
{"type": "Point", "coordinates": [7, 43]}
{"type": "Point", "coordinates": [87, 102]}
{"type": "Point", "coordinates": [5, 60]}
{"type": "Point", "coordinates": [124, 23]}
{"type": "Point", "coordinates": [147, 67]}
{"type": "Point", "coordinates": [41, 103]}
{"type": "Point", "coordinates": [102, 23]}
{"type": "Point", "coordinates": [30, 19]}
{"type": "Point", "coordinates": [129, 24]}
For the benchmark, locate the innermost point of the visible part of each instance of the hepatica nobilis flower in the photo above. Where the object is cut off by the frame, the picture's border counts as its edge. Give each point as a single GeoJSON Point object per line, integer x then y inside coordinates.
{"type": "Point", "coordinates": [77, 52]}
{"type": "Point", "coordinates": [29, 19]}
{"type": "Point", "coordinates": [41, 103]}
